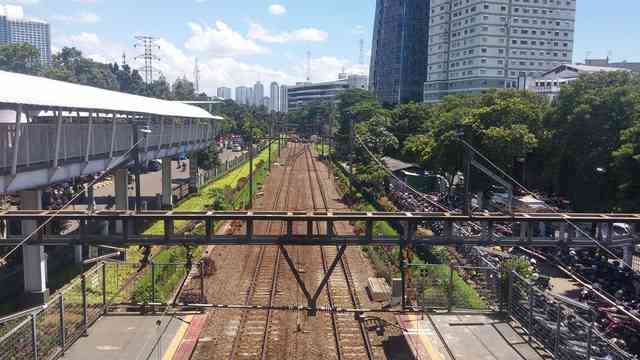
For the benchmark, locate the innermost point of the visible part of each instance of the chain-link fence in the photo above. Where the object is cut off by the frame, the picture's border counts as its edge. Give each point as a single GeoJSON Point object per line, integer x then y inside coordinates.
{"type": "Point", "coordinates": [440, 286]}
{"type": "Point", "coordinates": [45, 332]}
{"type": "Point", "coordinates": [566, 328]}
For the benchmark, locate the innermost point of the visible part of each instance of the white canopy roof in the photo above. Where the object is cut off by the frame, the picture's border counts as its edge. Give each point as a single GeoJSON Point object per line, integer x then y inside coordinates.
{"type": "Point", "coordinates": [39, 91]}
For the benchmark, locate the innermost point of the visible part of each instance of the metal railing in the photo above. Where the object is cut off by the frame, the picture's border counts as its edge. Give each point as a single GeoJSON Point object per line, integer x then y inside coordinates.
{"type": "Point", "coordinates": [566, 328]}
{"type": "Point", "coordinates": [38, 143]}
{"type": "Point", "coordinates": [47, 332]}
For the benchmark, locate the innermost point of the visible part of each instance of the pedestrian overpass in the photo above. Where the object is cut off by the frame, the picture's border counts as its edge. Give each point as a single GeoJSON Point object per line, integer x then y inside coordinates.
{"type": "Point", "coordinates": [53, 131]}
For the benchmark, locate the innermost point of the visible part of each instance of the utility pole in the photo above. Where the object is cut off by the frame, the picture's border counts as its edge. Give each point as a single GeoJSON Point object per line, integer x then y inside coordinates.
{"type": "Point", "coordinates": [251, 161]}
{"type": "Point", "coordinates": [351, 155]}
{"type": "Point", "coordinates": [270, 140]}
{"type": "Point", "coordinates": [136, 159]}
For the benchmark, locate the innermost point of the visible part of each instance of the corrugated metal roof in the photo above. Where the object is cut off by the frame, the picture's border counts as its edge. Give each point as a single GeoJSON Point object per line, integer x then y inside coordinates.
{"type": "Point", "coordinates": [39, 91]}
{"type": "Point", "coordinates": [396, 165]}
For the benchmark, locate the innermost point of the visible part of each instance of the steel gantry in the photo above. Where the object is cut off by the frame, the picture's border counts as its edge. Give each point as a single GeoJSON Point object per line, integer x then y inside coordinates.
{"type": "Point", "coordinates": [529, 228]}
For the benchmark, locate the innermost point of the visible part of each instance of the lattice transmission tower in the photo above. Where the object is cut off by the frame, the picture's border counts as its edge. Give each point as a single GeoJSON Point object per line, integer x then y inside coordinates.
{"type": "Point", "coordinates": [148, 43]}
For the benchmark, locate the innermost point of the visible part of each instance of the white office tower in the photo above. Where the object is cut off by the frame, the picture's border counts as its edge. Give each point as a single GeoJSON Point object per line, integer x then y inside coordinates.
{"type": "Point", "coordinates": [251, 97]}
{"type": "Point", "coordinates": [258, 94]}
{"type": "Point", "coordinates": [284, 99]}
{"type": "Point", "coordinates": [242, 95]}
{"type": "Point", "coordinates": [483, 44]}
{"type": "Point", "coordinates": [274, 104]}
{"type": "Point", "coordinates": [224, 92]}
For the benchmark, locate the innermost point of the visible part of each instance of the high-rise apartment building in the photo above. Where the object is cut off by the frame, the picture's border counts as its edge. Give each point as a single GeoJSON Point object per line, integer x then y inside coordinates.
{"type": "Point", "coordinates": [224, 92]}
{"type": "Point", "coordinates": [399, 50]}
{"type": "Point", "coordinates": [258, 94]}
{"type": "Point", "coordinates": [251, 97]}
{"type": "Point", "coordinates": [274, 105]}
{"type": "Point", "coordinates": [16, 29]}
{"type": "Point", "coordinates": [284, 99]}
{"type": "Point", "coordinates": [476, 45]}
{"type": "Point", "coordinates": [242, 95]}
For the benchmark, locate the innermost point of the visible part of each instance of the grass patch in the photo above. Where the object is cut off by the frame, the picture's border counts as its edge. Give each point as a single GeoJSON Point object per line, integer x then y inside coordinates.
{"type": "Point", "coordinates": [168, 276]}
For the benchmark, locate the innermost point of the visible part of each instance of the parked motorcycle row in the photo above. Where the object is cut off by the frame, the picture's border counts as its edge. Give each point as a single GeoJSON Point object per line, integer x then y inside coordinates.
{"type": "Point", "coordinates": [613, 334]}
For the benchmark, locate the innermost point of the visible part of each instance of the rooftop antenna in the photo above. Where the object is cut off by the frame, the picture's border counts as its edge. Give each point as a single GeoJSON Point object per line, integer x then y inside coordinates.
{"type": "Point", "coordinates": [196, 76]}
{"type": "Point", "coordinates": [149, 45]}
{"type": "Point", "coordinates": [124, 58]}
{"type": "Point", "coordinates": [308, 65]}
{"type": "Point", "coordinates": [361, 57]}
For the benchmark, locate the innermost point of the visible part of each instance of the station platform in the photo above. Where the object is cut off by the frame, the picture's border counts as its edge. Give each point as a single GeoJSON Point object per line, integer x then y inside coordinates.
{"type": "Point", "coordinates": [465, 337]}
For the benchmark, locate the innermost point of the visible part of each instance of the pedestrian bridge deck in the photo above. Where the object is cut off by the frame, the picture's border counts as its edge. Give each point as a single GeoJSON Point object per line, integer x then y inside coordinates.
{"type": "Point", "coordinates": [465, 337]}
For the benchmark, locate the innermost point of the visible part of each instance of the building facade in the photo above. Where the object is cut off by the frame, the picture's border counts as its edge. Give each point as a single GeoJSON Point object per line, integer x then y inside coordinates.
{"type": "Point", "coordinates": [251, 98]}
{"type": "Point", "coordinates": [15, 29]}
{"type": "Point", "coordinates": [274, 104]}
{"type": "Point", "coordinates": [242, 95]}
{"type": "Point", "coordinates": [484, 44]}
{"type": "Point", "coordinates": [306, 93]}
{"type": "Point", "coordinates": [399, 50]}
{"type": "Point", "coordinates": [224, 92]}
{"type": "Point", "coordinates": [284, 99]}
{"type": "Point", "coordinates": [551, 82]}
{"type": "Point", "coordinates": [258, 94]}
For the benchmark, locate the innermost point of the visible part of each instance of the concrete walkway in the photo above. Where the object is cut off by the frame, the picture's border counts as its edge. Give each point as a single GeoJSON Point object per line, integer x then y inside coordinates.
{"type": "Point", "coordinates": [131, 337]}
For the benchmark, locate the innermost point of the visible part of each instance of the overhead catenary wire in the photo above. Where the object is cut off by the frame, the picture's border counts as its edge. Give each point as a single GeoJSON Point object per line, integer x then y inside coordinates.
{"type": "Point", "coordinates": [535, 196]}
{"type": "Point", "coordinates": [3, 260]}
{"type": "Point", "coordinates": [602, 294]}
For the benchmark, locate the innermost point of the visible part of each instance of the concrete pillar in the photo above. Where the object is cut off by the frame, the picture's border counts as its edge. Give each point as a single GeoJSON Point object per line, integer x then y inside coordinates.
{"type": "Point", "coordinates": [193, 174]}
{"type": "Point", "coordinates": [167, 193]}
{"type": "Point", "coordinates": [628, 255]}
{"type": "Point", "coordinates": [121, 188]}
{"type": "Point", "coordinates": [34, 259]}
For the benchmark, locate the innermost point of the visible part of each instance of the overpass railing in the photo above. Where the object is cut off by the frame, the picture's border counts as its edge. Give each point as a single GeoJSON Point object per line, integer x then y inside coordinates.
{"type": "Point", "coordinates": [44, 144]}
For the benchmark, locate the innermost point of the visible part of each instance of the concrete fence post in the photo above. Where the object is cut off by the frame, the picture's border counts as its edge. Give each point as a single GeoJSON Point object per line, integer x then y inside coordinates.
{"type": "Point", "coordinates": [62, 328]}
{"type": "Point", "coordinates": [530, 317]}
{"type": "Point", "coordinates": [104, 289]}
{"type": "Point", "coordinates": [450, 289]}
{"type": "Point", "coordinates": [34, 335]}
{"type": "Point", "coordinates": [85, 309]}
{"type": "Point", "coordinates": [153, 282]}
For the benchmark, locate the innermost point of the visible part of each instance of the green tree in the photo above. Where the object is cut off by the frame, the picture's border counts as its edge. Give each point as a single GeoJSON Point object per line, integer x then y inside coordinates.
{"type": "Point", "coordinates": [593, 144]}
{"type": "Point", "coordinates": [183, 89]}
{"type": "Point", "coordinates": [20, 58]}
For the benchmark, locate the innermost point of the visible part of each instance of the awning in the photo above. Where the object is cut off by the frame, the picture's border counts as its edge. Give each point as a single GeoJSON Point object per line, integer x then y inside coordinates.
{"type": "Point", "coordinates": [46, 93]}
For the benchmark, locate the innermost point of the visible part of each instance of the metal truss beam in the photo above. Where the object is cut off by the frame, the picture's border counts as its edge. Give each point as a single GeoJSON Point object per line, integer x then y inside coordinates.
{"type": "Point", "coordinates": [566, 236]}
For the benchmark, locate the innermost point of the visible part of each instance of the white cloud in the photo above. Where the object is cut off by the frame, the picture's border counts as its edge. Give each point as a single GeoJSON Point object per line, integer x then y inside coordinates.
{"type": "Point", "coordinates": [25, 2]}
{"type": "Point", "coordinates": [310, 34]}
{"type": "Point", "coordinates": [359, 30]}
{"type": "Point", "coordinates": [326, 68]}
{"type": "Point", "coordinates": [221, 41]}
{"type": "Point", "coordinates": [85, 1]}
{"type": "Point", "coordinates": [258, 32]}
{"type": "Point", "coordinates": [81, 18]}
{"type": "Point", "coordinates": [277, 9]}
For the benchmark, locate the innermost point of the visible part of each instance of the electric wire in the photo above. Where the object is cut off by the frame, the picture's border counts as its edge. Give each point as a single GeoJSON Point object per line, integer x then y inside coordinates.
{"type": "Point", "coordinates": [601, 294]}
{"type": "Point", "coordinates": [4, 258]}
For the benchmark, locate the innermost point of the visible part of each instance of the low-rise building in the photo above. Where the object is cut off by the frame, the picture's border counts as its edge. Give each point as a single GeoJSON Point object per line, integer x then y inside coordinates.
{"type": "Point", "coordinates": [551, 82]}
{"type": "Point", "coordinates": [306, 92]}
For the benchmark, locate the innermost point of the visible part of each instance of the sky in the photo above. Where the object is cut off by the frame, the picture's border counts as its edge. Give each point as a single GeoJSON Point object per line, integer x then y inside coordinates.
{"type": "Point", "coordinates": [238, 42]}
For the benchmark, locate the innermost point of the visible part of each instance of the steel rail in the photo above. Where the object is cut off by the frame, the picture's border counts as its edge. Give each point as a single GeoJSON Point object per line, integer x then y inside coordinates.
{"type": "Point", "coordinates": [257, 270]}
{"type": "Point", "coordinates": [343, 262]}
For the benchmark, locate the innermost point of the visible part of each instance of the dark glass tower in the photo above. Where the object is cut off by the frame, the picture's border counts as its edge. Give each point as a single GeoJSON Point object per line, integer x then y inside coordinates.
{"type": "Point", "coordinates": [399, 51]}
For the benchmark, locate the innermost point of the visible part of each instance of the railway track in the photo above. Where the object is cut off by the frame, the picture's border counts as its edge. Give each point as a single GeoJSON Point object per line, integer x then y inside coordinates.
{"type": "Point", "coordinates": [350, 335]}
{"type": "Point", "coordinates": [251, 341]}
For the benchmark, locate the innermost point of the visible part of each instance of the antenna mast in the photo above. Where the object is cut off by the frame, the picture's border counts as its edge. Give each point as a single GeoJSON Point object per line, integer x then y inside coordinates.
{"type": "Point", "coordinates": [149, 45]}
{"type": "Point", "coordinates": [308, 65]}
{"type": "Point", "coordinates": [196, 76]}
